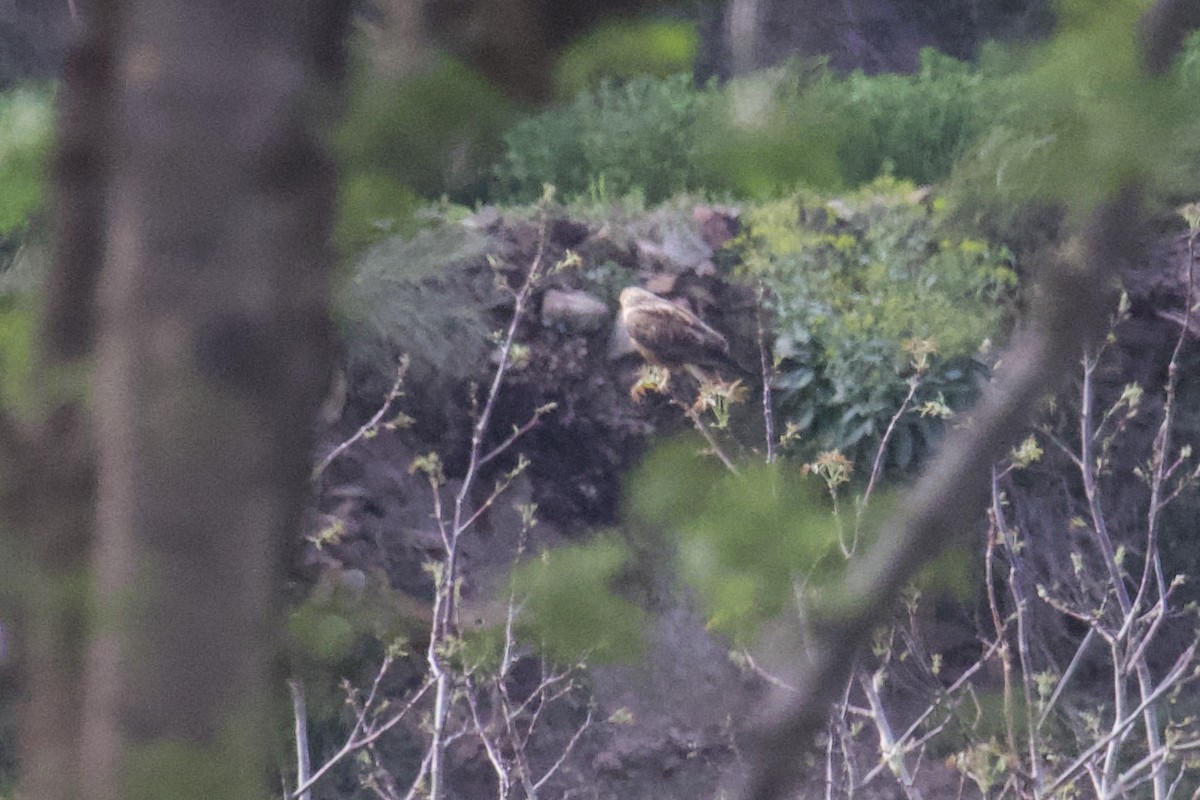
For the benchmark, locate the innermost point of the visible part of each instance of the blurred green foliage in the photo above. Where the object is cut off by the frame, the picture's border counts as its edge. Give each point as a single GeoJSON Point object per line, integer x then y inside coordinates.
{"type": "Point", "coordinates": [1108, 123]}
{"type": "Point", "coordinates": [626, 49]}
{"type": "Point", "coordinates": [859, 286]}
{"type": "Point", "coordinates": [743, 540]}
{"type": "Point", "coordinates": [17, 376]}
{"type": "Point", "coordinates": [402, 143]}
{"type": "Point", "coordinates": [1076, 118]}
{"type": "Point", "coordinates": [320, 633]}
{"type": "Point", "coordinates": [765, 138]}
{"type": "Point", "coordinates": [26, 122]}
{"type": "Point", "coordinates": [911, 126]}
{"type": "Point", "coordinates": [570, 607]}
{"type": "Point", "coordinates": [759, 135]}
{"type": "Point", "coordinates": [642, 135]}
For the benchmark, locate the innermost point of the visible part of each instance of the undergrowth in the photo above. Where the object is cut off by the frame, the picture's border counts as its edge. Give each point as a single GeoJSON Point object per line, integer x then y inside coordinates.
{"type": "Point", "coordinates": [862, 286]}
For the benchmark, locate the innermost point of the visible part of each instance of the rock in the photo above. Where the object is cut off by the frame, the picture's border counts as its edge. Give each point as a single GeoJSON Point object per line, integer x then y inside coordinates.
{"type": "Point", "coordinates": [354, 582]}
{"type": "Point", "coordinates": [485, 219]}
{"type": "Point", "coordinates": [663, 284]}
{"type": "Point", "coordinates": [716, 225]}
{"type": "Point", "coordinates": [568, 233]}
{"type": "Point", "coordinates": [573, 311]}
{"type": "Point", "coordinates": [686, 248]}
{"type": "Point", "coordinates": [619, 343]}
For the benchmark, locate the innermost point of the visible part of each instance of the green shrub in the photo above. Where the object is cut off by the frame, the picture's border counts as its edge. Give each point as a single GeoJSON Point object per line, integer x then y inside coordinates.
{"type": "Point", "coordinates": [659, 136]}
{"type": "Point", "coordinates": [911, 126]}
{"type": "Point", "coordinates": [1063, 138]}
{"type": "Point", "coordinates": [860, 287]}
{"type": "Point", "coordinates": [643, 135]}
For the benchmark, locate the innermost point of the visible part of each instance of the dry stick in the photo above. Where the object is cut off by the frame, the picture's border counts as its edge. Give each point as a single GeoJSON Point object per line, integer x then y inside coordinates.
{"type": "Point", "coordinates": [1016, 587]}
{"type": "Point", "coordinates": [1091, 488]}
{"type": "Point", "coordinates": [1153, 565]}
{"type": "Point", "coordinates": [371, 426]}
{"type": "Point", "coordinates": [1068, 673]}
{"type": "Point", "coordinates": [303, 759]}
{"type": "Point", "coordinates": [765, 368]}
{"type": "Point", "coordinates": [890, 750]}
{"type": "Point", "coordinates": [1162, 441]}
{"type": "Point", "coordinates": [587, 722]}
{"type": "Point", "coordinates": [1176, 674]}
{"type": "Point", "coordinates": [877, 467]}
{"type": "Point", "coordinates": [421, 773]}
{"type": "Point", "coordinates": [946, 695]}
{"type": "Point", "coordinates": [443, 610]}
{"type": "Point", "coordinates": [1000, 626]}
{"type": "Point", "coordinates": [1089, 469]}
{"type": "Point", "coordinates": [708, 437]}
{"type": "Point", "coordinates": [499, 765]}
{"type": "Point", "coordinates": [353, 742]}
{"type": "Point", "coordinates": [950, 497]}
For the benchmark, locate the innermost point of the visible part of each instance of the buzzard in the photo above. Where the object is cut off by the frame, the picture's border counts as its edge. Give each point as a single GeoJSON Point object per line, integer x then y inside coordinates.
{"type": "Point", "coordinates": [671, 336]}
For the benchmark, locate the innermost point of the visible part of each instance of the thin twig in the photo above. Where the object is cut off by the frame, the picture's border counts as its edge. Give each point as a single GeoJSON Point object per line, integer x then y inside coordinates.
{"type": "Point", "coordinates": [766, 370]}
{"type": "Point", "coordinates": [354, 743]}
{"type": "Point", "coordinates": [303, 758]}
{"type": "Point", "coordinates": [892, 754]}
{"type": "Point", "coordinates": [877, 467]}
{"type": "Point", "coordinates": [568, 748]}
{"type": "Point", "coordinates": [708, 437]}
{"type": "Point", "coordinates": [1120, 726]}
{"type": "Point", "coordinates": [372, 425]}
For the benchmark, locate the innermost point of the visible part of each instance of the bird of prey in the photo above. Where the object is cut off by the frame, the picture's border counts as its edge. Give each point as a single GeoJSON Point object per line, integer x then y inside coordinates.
{"type": "Point", "coordinates": [671, 336]}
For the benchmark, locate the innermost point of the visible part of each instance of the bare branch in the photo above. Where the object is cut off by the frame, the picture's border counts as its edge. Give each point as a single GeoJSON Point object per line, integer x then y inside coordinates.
{"type": "Point", "coordinates": [372, 425]}
{"type": "Point", "coordinates": [300, 715]}
{"type": "Point", "coordinates": [951, 496]}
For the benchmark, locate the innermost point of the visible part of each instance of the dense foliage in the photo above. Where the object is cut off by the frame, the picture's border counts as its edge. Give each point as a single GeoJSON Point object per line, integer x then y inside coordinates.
{"type": "Point", "coordinates": [644, 136]}
{"type": "Point", "coordinates": [659, 136]}
{"type": "Point", "coordinates": [868, 289]}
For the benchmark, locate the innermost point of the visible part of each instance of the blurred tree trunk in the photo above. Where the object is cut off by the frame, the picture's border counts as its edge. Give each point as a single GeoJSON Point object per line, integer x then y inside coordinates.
{"type": "Point", "coordinates": [194, 201]}
{"type": "Point", "coordinates": [157, 472]}
{"type": "Point", "coordinates": [213, 351]}
{"type": "Point", "coordinates": [49, 493]}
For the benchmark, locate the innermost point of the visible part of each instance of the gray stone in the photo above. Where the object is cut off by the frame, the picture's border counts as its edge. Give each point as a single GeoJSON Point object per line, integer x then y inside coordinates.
{"type": "Point", "coordinates": [573, 311]}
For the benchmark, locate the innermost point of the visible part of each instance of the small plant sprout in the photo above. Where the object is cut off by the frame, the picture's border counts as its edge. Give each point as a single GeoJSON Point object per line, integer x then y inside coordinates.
{"type": "Point", "coordinates": [919, 351]}
{"type": "Point", "coordinates": [831, 467]}
{"type": "Point", "coordinates": [651, 379]}
{"type": "Point", "coordinates": [717, 396]}
{"type": "Point", "coordinates": [1026, 453]}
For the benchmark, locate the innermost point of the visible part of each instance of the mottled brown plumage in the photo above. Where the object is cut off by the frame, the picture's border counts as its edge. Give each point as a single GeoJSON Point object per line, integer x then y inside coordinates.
{"type": "Point", "coordinates": [669, 335]}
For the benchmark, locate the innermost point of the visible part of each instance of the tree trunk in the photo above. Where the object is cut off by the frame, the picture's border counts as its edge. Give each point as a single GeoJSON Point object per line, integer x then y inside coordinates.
{"type": "Point", "coordinates": [48, 496]}
{"type": "Point", "coordinates": [194, 213]}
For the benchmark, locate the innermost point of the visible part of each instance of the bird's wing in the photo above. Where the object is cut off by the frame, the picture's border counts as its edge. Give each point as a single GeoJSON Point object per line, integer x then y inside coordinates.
{"type": "Point", "coordinates": [672, 335]}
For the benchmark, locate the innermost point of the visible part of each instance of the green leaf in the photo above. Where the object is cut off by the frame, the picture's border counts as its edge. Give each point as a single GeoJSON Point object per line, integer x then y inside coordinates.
{"type": "Point", "coordinates": [26, 121]}
{"type": "Point", "coordinates": [323, 634]}
{"type": "Point", "coordinates": [1104, 121]}
{"type": "Point", "coordinates": [570, 607]}
{"type": "Point", "coordinates": [744, 540]}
